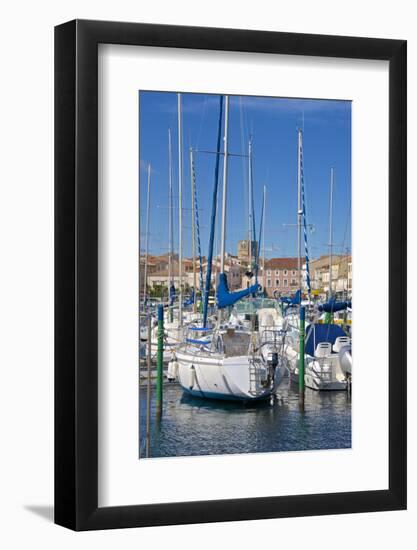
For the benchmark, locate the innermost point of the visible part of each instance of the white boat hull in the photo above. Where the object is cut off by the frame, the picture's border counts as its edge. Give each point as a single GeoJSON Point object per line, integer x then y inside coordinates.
{"type": "Point", "coordinates": [323, 374]}
{"type": "Point", "coordinates": [223, 377]}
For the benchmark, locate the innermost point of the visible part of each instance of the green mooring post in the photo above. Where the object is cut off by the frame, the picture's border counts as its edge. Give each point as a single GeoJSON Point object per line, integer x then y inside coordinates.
{"type": "Point", "coordinates": [301, 381]}
{"type": "Point", "coordinates": [159, 358]}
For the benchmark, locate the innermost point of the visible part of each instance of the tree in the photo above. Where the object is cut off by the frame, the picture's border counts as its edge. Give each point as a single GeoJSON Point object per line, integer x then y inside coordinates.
{"type": "Point", "coordinates": [158, 291]}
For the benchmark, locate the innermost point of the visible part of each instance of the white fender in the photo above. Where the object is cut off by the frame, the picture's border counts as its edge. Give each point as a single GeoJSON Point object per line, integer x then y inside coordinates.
{"type": "Point", "coordinates": [172, 371]}
{"type": "Point", "coordinates": [193, 377]}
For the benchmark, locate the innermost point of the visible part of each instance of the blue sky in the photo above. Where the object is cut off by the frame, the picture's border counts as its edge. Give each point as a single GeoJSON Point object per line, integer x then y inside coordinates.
{"type": "Point", "coordinates": [273, 124]}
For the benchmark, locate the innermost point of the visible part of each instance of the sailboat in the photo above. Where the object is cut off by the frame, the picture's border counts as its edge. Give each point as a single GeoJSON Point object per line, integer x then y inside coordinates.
{"type": "Point", "coordinates": [225, 362]}
{"type": "Point", "coordinates": [174, 317]}
{"type": "Point", "coordinates": [323, 366]}
{"type": "Point", "coordinates": [325, 344]}
{"type": "Point", "coordinates": [177, 318]}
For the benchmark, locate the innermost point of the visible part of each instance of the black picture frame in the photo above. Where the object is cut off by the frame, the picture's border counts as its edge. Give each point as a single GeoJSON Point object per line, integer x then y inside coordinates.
{"type": "Point", "coordinates": [76, 272]}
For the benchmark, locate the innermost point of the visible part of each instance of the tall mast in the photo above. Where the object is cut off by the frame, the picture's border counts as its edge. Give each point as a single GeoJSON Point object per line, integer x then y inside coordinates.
{"type": "Point", "coordinates": [217, 252]}
{"type": "Point", "coordinates": [180, 205]}
{"type": "Point", "coordinates": [250, 204]}
{"type": "Point", "coordinates": [170, 213]}
{"type": "Point", "coordinates": [193, 228]}
{"type": "Point", "coordinates": [224, 201]}
{"type": "Point", "coordinates": [263, 238]}
{"type": "Point", "coordinates": [213, 215]}
{"type": "Point", "coordinates": [148, 203]}
{"type": "Point", "coordinates": [331, 233]}
{"type": "Point", "coordinates": [299, 210]}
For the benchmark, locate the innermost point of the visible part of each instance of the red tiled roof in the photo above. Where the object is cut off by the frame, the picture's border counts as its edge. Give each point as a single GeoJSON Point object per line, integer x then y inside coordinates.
{"type": "Point", "coordinates": [282, 263]}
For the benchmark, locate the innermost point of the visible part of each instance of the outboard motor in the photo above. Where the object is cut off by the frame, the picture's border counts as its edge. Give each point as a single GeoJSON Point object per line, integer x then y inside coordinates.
{"type": "Point", "coordinates": [272, 362]}
{"type": "Point", "coordinates": [345, 358]}
{"type": "Point", "coordinates": [273, 359]}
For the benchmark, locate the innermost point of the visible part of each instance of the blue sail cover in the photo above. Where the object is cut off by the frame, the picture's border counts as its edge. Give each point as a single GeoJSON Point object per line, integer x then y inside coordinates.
{"type": "Point", "coordinates": [190, 300]}
{"type": "Point", "coordinates": [226, 298]}
{"type": "Point", "coordinates": [294, 301]}
{"type": "Point", "coordinates": [332, 306]}
{"type": "Point", "coordinates": [318, 333]}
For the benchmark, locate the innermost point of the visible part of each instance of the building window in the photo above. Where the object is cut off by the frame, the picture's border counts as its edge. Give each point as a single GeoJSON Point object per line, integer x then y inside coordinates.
{"type": "Point", "coordinates": [276, 282]}
{"type": "Point", "coordinates": [294, 272]}
{"type": "Point", "coordinates": [293, 282]}
{"type": "Point", "coordinates": [285, 282]}
{"type": "Point", "coordinates": [268, 272]}
{"type": "Point", "coordinates": [268, 283]}
{"type": "Point", "coordinates": [277, 272]}
{"type": "Point", "coordinates": [285, 272]}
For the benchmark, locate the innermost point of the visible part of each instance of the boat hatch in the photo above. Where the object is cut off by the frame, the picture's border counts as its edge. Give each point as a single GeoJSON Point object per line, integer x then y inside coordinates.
{"type": "Point", "coordinates": [235, 343]}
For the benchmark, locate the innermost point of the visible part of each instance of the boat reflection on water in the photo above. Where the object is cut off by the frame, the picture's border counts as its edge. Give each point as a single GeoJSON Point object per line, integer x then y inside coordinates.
{"type": "Point", "coordinates": [193, 426]}
{"type": "Point", "coordinates": [222, 404]}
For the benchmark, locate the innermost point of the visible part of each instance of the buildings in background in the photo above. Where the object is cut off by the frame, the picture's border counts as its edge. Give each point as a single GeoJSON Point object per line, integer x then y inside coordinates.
{"type": "Point", "coordinates": [279, 278]}
{"type": "Point", "coordinates": [158, 272]}
{"type": "Point", "coordinates": [341, 276]}
{"type": "Point", "coordinates": [246, 250]}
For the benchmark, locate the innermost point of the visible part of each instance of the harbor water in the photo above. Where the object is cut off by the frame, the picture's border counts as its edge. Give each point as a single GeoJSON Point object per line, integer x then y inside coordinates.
{"type": "Point", "coordinates": [192, 426]}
